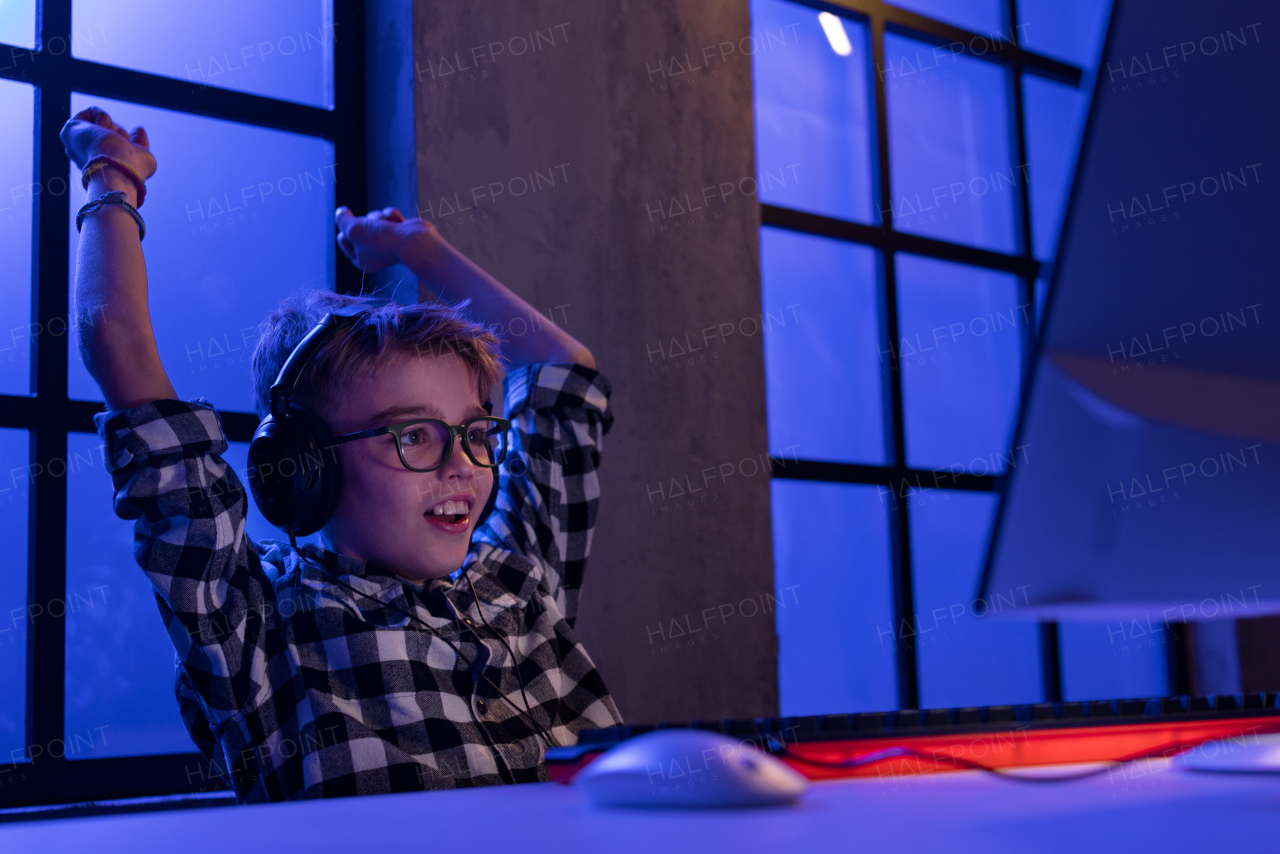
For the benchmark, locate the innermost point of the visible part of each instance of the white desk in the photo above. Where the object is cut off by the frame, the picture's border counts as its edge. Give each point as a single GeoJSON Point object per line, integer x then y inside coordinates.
{"type": "Point", "coordinates": [1148, 808]}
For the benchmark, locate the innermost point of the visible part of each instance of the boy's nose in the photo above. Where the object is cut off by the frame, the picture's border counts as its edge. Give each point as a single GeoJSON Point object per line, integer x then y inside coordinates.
{"type": "Point", "coordinates": [458, 460]}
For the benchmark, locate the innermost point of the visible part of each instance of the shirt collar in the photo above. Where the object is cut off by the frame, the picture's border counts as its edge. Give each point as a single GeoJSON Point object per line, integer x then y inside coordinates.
{"type": "Point", "coordinates": [501, 577]}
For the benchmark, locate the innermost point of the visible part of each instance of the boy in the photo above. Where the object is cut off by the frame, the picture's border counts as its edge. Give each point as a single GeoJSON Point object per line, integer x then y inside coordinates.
{"type": "Point", "coordinates": [414, 649]}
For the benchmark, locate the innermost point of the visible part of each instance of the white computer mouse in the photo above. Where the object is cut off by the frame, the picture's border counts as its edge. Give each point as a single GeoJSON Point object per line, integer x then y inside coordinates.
{"type": "Point", "coordinates": [688, 768]}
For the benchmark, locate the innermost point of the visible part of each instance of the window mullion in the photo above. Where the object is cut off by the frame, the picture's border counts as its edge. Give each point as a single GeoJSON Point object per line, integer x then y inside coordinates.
{"type": "Point", "coordinates": [899, 532]}
{"type": "Point", "coordinates": [47, 520]}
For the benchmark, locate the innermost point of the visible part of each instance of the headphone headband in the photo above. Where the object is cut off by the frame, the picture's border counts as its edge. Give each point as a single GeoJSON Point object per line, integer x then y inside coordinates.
{"type": "Point", "coordinates": [287, 380]}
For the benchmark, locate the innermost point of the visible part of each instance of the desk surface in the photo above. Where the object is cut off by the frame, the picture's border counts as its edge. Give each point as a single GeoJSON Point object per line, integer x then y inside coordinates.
{"type": "Point", "coordinates": [1153, 806]}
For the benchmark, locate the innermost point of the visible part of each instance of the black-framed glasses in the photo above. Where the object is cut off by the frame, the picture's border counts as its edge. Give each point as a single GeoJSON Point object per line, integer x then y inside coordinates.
{"type": "Point", "coordinates": [425, 444]}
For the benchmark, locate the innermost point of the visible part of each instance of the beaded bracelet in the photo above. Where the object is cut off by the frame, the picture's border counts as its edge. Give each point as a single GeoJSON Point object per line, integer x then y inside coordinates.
{"type": "Point", "coordinates": [115, 197]}
{"type": "Point", "coordinates": [101, 161]}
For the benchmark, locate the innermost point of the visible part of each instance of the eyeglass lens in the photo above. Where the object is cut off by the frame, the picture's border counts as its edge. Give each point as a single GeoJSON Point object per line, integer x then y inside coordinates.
{"type": "Point", "coordinates": [423, 443]}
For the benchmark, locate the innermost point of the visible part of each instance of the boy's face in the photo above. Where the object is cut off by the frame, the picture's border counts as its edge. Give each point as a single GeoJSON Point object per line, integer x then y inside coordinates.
{"type": "Point", "coordinates": [383, 513]}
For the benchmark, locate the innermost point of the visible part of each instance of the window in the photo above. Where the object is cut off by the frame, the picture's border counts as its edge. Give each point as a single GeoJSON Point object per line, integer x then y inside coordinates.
{"type": "Point", "coordinates": [256, 118]}
{"type": "Point", "coordinates": [930, 147]}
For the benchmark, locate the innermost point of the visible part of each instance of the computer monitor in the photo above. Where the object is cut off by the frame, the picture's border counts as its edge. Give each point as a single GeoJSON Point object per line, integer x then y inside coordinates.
{"type": "Point", "coordinates": [1147, 480]}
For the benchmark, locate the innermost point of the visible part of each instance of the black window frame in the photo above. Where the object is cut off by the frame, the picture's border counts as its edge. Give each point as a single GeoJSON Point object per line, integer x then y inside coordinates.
{"type": "Point", "coordinates": [895, 476]}
{"type": "Point", "coordinates": [51, 416]}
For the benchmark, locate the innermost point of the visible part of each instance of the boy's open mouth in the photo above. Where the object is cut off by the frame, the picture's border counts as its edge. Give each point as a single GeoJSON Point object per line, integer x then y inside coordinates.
{"type": "Point", "coordinates": [452, 513]}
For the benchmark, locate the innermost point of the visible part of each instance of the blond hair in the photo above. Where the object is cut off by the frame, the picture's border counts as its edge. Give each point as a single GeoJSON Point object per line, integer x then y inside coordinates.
{"type": "Point", "coordinates": [384, 333]}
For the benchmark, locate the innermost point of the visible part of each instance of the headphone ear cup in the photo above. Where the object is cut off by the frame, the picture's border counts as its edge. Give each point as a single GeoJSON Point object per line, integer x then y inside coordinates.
{"type": "Point", "coordinates": [272, 493]}
{"type": "Point", "coordinates": [322, 478]}
{"type": "Point", "coordinates": [294, 471]}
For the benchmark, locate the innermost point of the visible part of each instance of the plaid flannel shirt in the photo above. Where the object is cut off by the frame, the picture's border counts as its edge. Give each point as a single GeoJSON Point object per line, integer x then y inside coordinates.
{"type": "Point", "coordinates": [293, 686]}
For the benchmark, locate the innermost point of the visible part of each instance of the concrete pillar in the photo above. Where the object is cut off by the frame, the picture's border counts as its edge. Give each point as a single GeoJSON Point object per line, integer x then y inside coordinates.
{"type": "Point", "coordinates": [565, 146]}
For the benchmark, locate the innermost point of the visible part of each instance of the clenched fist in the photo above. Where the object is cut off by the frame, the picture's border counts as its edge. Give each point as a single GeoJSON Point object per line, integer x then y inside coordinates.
{"type": "Point", "coordinates": [374, 241]}
{"type": "Point", "coordinates": [91, 132]}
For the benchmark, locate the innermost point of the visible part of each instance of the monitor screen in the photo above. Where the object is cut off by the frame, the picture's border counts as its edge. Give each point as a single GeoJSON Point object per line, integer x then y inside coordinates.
{"type": "Point", "coordinates": [1149, 464]}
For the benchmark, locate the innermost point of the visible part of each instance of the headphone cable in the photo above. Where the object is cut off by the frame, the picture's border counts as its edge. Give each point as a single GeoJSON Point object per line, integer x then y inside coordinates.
{"type": "Point", "coordinates": [525, 713]}
{"type": "Point", "coordinates": [515, 665]}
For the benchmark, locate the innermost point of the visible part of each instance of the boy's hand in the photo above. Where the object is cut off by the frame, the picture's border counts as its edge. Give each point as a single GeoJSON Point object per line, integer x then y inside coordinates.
{"type": "Point", "coordinates": [91, 132]}
{"type": "Point", "coordinates": [374, 241]}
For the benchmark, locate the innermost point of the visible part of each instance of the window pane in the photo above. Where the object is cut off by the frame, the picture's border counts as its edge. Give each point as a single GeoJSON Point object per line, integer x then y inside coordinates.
{"type": "Point", "coordinates": [969, 653]}
{"type": "Point", "coordinates": [120, 661]}
{"type": "Point", "coordinates": [981, 16]}
{"type": "Point", "coordinates": [18, 22]}
{"type": "Point", "coordinates": [14, 454]}
{"type": "Point", "coordinates": [17, 111]}
{"type": "Point", "coordinates": [831, 568]}
{"type": "Point", "coordinates": [1072, 32]}
{"type": "Point", "coordinates": [813, 137]}
{"type": "Point", "coordinates": [960, 352]}
{"type": "Point", "coordinates": [821, 345]}
{"type": "Point", "coordinates": [237, 217]}
{"type": "Point", "coordinates": [1055, 117]}
{"type": "Point", "coordinates": [952, 172]}
{"type": "Point", "coordinates": [282, 49]}
{"type": "Point", "coordinates": [1113, 660]}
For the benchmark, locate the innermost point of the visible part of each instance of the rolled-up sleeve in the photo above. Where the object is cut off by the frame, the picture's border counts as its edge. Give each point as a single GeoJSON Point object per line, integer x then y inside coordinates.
{"type": "Point", "coordinates": [189, 507]}
{"type": "Point", "coordinates": [548, 487]}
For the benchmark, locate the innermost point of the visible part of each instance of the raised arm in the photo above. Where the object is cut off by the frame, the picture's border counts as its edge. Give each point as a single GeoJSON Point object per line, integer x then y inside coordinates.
{"type": "Point", "coordinates": [165, 455]}
{"type": "Point", "coordinates": [112, 319]}
{"type": "Point", "coordinates": [549, 486]}
{"type": "Point", "coordinates": [385, 237]}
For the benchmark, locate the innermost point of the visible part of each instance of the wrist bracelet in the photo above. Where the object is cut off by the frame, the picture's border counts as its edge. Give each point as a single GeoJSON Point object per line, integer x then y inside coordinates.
{"type": "Point", "coordinates": [98, 163]}
{"type": "Point", "coordinates": [115, 197]}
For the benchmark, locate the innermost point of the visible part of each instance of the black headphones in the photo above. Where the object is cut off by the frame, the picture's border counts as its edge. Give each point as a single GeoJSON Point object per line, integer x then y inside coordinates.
{"type": "Point", "coordinates": [295, 473]}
